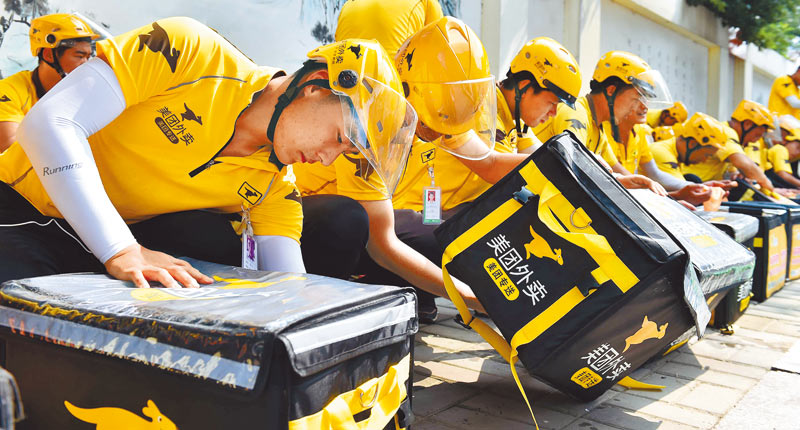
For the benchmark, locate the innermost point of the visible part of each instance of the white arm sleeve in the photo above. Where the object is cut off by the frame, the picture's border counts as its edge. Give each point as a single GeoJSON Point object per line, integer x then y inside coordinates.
{"type": "Point", "coordinates": [53, 135]}
{"type": "Point", "coordinates": [280, 254]}
{"type": "Point", "coordinates": [793, 101]}
{"type": "Point", "coordinates": [668, 181]}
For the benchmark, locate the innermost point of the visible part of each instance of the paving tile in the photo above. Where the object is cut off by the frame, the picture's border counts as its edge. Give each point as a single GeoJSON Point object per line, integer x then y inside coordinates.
{"type": "Point", "coordinates": [674, 388]}
{"type": "Point", "coordinates": [772, 404]}
{"type": "Point", "coordinates": [434, 399]}
{"type": "Point", "coordinates": [459, 333]}
{"type": "Point", "coordinates": [717, 350]}
{"type": "Point", "coordinates": [719, 365]}
{"type": "Point", "coordinates": [431, 424]}
{"type": "Point", "coordinates": [787, 328]}
{"type": "Point", "coordinates": [753, 356]}
{"type": "Point", "coordinates": [558, 401]}
{"type": "Point", "coordinates": [766, 339]}
{"type": "Point", "coordinates": [753, 322]}
{"type": "Point", "coordinates": [685, 371]}
{"type": "Point", "coordinates": [584, 424]}
{"type": "Point", "coordinates": [630, 420]}
{"type": "Point", "coordinates": [664, 410]}
{"type": "Point", "coordinates": [455, 344]}
{"type": "Point", "coordinates": [711, 398]}
{"type": "Point", "coordinates": [499, 406]}
{"type": "Point", "coordinates": [468, 418]}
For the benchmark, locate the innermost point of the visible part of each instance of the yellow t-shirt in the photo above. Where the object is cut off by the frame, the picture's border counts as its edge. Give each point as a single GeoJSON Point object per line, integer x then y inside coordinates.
{"type": "Point", "coordinates": [389, 22]}
{"type": "Point", "coordinates": [17, 95]}
{"type": "Point", "coordinates": [756, 152]}
{"type": "Point", "coordinates": [654, 117]}
{"type": "Point", "coordinates": [665, 155]}
{"type": "Point", "coordinates": [714, 168]}
{"type": "Point", "coordinates": [778, 159]}
{"type": "Point", "coordinates": [637, 152]}
{"type": "Point", "coordinates": [506, 131]}
{"type": "Point", "coordinates": [343, 177]}
{"type": "Point", "coordinates": [581, 122]}
{"type": "Point", "coordinates": [184, 88]}
{"type": "Point", "coordinates": [783, 87]}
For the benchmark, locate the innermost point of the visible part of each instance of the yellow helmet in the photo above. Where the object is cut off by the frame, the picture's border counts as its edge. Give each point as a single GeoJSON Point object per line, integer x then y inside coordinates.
{"type": "Point", "coordinates": [678, 112]}
{"type": "Point", "coordinates": [377, 118]}
{"type": "Point", "coordinates": [755, 112]}
{"type": "Point", "coordinates": [703, 128]}
{"type": "Point", "coordinates": [792, 127]}
{"type": "Point", "coordinates": [663, 133]}
{"type": "Point", "coordinates": [49, 31]}
{"type": "Point", "coordinates": [553, 67]}
{"type": "Point", "coordinates": [633, 70]}
{"type": "Point", "coordinates": [446, 77]}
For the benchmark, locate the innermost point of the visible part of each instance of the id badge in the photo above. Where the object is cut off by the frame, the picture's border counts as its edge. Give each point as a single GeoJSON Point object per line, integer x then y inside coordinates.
{"type": "Point", "coordinates": [432, 205]}
{"type": "Point", "coordinates": [249, 249]}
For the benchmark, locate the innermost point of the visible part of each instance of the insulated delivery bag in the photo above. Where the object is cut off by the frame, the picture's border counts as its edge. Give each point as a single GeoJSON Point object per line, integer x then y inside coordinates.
{"type": "Point", "coordinates": [770, 246]}
{"type": "Point", "coordinates": [583, 284]}
{"type": "Point", "coordinates": [743, 229]}
{"type": "Point", "coordinates": [255, 350]}
{"type": "Point", "coordinates": [792, 233]}
{"type": "Point", "coordinates": [720, 262]}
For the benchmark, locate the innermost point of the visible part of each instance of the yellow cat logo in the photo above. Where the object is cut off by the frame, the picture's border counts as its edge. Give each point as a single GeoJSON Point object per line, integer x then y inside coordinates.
{"type": "Point", "coordinates": [539, 248]}
{"type": "Point", "coordinates": [120, 419]}
{"type": "Point", "coordinates": [649, 330]}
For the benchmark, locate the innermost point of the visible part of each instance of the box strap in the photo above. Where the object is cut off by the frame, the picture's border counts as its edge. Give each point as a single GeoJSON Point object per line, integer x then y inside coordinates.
{"type": "Point", "coordinates": [381, 396]}
{"type": "Point", "coordinates": [555, 211]}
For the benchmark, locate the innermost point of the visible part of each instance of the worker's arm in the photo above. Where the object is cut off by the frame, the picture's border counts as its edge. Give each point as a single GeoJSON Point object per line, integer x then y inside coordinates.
{"type": "Point", "coordinates": [750, 170]}
{"type": "Point", "coordinates": [394, 255]}
{"type": "Point", "coordinates": [8, 134]}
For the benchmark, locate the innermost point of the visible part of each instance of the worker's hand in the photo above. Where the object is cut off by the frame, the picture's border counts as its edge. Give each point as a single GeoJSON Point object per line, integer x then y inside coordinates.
{"type": "Point", "coordinates": [695, 194]}
{"type": "Point", "coordinates": [724, 184]}
{"type": "Point", "coordinates": [638, 181]}
{"type": "Point", "coordinates": [138, 264]}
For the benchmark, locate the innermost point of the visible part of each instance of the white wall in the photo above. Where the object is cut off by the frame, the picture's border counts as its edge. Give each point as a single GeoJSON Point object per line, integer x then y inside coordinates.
{"type": "Point", "coordinates": [683, 62]}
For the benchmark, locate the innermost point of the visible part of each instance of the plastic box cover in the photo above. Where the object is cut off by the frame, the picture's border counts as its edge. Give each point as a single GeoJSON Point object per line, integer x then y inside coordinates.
{"type": "Point", "coordinates": [224, 332]}
{"type": "Point", "coordinates": [720, 262]}
{"type": "Point", "coordinates": [742, 227]}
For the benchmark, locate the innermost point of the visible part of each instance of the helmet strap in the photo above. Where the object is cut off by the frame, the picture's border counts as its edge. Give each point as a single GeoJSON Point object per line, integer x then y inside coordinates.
{"type": "Point", "coordinates": [610, 101]}
{"type": "Point", "coordinates": [293, 90]}
{"type": "Point", "coordinates": [689, 151]}
{"type": "Point", "coordinates": [54, 64]}
{"type": "Point", "coordinates": [746, 130]}
{"type": "Point", "coordinates": [518, 92]}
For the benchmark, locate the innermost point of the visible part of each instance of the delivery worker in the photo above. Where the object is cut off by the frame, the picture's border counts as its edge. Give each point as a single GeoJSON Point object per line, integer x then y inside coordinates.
{"type": "Point", "coordinates": [622, 82]}
{"type": "Point", "coordinates": [168, 133]}
{"type": "Point", "coordinates": [697, 139]}
{"type": "Point", "coordinates": [747, 125]}
{"type": "Point", "coordinates": [784, 96]}
{"type": "Point", "coordinates": [389, 22]}
{"type": "Point", "coordinates": [667, 117]}
{"type": "Point", "coordinates": [784, 151]}
{"type": "Point", "coordinates": [62, 42]}
{"type": "Point", "coordinates": [635, 155]}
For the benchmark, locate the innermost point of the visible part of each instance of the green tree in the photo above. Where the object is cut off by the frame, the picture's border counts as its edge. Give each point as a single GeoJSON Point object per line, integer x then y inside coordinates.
{"type": "Point", "coordinates": [770, 24]}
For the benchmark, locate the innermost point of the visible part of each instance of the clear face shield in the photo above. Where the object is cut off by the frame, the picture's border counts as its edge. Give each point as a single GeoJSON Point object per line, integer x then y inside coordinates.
{"type": "Point", "coordinates": [788, 123]}
{"type": "Point", "coordinates": [382, 127]}
{"type": "Point", "coordinates": [465, 112]}
{"type": "Point", "coordinates": [653, 89]}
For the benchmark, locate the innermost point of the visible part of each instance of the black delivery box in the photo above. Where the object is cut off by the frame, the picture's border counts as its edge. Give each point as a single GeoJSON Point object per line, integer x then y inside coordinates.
{"type": "Point", "coordinates": [770, 246]}
{"type": "Point", "coordinates": [792, 233]}
{"type": "Point", "coordinates": [582, 282]}
{"type": "Point", "coordinates": [255, 350]}
{"type": "Point", "coordinates": [743, 229]}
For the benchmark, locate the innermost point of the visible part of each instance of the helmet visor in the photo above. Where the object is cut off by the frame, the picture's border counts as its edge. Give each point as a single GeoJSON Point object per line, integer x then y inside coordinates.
{"type": "Point", "coordinates": [381, 126]}
{"type": "Point", "coordinates": [457, 108]}
{"type": "Point", "coordinates": [652, 86]}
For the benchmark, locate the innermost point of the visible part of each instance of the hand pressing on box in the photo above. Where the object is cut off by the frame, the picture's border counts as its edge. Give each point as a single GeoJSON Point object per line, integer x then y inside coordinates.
{"type": "Point", "coordinates": [632, 182]}
{"type": "Point", "coordinates": [138, 264]}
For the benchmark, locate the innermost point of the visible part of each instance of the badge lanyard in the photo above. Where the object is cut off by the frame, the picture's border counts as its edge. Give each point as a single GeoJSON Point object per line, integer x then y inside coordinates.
{"type": "Point", "coordinates": [249, 249]}
{"type": "Point", "coordinates": [431, 202]}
